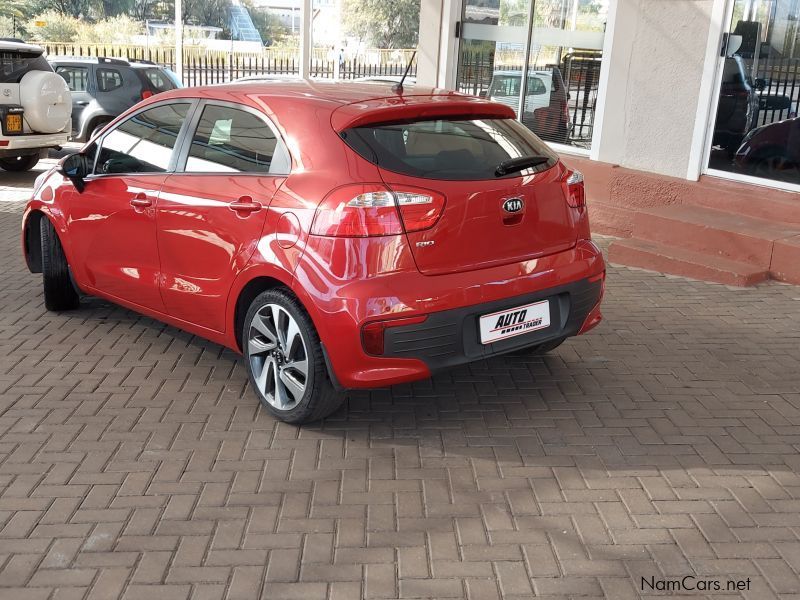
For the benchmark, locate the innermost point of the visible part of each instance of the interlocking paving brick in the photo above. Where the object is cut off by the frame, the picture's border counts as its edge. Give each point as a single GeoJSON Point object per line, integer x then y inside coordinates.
{"type": "Point", "coordinates": [135, 462]}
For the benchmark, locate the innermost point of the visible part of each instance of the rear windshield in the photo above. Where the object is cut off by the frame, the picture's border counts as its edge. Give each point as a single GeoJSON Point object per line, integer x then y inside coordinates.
{"type": "Point", "coordinates": [14, 65]}
{"type": "Point", "coordinates": [452, 149]}
{"type": "Point", "coordinates": [508, 85]}
{"type": "Point", "coordinates": [158, 80]}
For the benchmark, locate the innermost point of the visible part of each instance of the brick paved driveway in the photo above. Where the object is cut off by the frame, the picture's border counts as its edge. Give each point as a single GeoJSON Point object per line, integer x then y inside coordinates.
{"type": "Point", "coordinates": [135, 463]}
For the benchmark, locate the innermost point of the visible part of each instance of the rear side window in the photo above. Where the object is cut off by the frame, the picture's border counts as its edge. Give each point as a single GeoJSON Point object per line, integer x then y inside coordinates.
{"type": "Point", "coordinates": [14, 65]}
{"type": "Point", "coordinates": [232, 140]}
{"type": "Point", "coordinates": [77, 78]}
{"type": "Point", "coordinates": [158, 80]}
{"type": "Point", "coordinates": [452, 149]}
{"type": "Point", "coordinates": [108, 80]}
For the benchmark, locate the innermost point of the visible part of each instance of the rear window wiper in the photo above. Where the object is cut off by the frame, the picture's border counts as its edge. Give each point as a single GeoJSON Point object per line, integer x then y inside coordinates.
{"type": "Point", "coordinates": [519, 164]}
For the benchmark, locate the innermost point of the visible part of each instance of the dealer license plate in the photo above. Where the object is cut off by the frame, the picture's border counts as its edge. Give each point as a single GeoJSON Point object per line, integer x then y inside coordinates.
{"type": "Point", "coordinates": [14, 123]}
{"type": "Point", "coordinates": [514, 321]}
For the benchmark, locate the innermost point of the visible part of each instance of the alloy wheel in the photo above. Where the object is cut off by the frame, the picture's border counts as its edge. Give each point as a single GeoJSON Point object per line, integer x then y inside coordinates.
{"type": "Point", "coordinates": [278, 357]}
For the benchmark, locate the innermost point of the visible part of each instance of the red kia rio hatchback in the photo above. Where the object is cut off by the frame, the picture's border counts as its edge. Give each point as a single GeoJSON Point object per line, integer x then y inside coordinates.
{"type": "Point", "coordinates": [337, 235]}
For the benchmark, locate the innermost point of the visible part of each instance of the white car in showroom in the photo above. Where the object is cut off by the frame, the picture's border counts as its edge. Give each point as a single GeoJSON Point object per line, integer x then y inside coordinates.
{"type": "Point", "coordinates": [35, 106]}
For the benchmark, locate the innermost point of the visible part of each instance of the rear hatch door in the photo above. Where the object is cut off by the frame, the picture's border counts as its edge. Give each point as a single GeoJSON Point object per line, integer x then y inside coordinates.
{"type": "Point", "coordinates": [487, 219]}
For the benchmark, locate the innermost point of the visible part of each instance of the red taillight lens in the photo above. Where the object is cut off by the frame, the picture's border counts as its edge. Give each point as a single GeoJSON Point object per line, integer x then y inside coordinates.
{"type": "Point", "coordinates": [420, 209]}
{"type": "Point", "coordinates": [146, 94]}
{"type": "Point", "coordinates": [575, 192]}
{"type": "Point", "coordinates": [366, 210]}
{"type": "Point", "coordinates": [372, 334]}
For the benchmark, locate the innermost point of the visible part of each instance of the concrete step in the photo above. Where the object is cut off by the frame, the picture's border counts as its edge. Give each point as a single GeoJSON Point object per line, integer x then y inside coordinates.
{"type": "Point", "coordinates": [786, 260]}
{"type": "Point", "coordinates": [774, 205]}
{"type": "Point", "coordinates": [676, 260]}
{"type": "Point", "coordinates": [719, 234]}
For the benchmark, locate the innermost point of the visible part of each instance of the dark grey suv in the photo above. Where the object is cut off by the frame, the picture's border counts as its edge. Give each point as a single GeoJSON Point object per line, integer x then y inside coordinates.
{"type": "Point", "coordinates": [103, 88]}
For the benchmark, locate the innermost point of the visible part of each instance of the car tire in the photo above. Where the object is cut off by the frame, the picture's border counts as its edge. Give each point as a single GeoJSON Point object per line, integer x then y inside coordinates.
{"type": "Point", "coordinates": [284, 360]}
{"type": "Point", "coordinates": [17, 164]}
{"type": "Point", "coordinates": [59, 292]}
{"type": "Point", "coordinates": [539, 349]}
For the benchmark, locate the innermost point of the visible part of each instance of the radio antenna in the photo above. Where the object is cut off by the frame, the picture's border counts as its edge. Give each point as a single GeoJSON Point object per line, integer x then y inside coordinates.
{"type": "Point", "coordinates": [398, 87]}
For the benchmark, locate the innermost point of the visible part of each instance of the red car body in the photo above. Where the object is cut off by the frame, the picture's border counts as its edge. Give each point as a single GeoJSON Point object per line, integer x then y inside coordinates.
{"type": "Point", "coordinates": [171, 246]}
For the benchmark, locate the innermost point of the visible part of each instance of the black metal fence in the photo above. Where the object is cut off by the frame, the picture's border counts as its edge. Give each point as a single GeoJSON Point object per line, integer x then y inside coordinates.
{"type": "Point", "coordinates": [780, 96]}
{"type": "Point", "coordinates": [210, 68]}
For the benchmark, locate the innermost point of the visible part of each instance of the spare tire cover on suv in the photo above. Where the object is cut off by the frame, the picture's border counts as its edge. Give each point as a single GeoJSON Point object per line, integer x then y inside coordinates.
{"type": "Point", "coordinates": [46, 99]}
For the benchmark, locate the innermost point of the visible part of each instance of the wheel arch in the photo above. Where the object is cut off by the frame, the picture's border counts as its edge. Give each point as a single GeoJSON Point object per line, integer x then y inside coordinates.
{"type": "Point", "coordinates": [32, 240]}
{"type": "Point", "coordinates": [91, 122]}
{"type": "Point", "coordinates": [250, 285]}
{"type": "Point", "coordinates": [248, 293]}
{"type": "Point", "coordinates": [31, 220]}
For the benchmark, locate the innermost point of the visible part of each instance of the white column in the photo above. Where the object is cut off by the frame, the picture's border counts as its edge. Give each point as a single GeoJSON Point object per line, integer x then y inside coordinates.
{"type": "Point", "coordinates": [179, 40]}
{"type": "Point", "coordinates": [430, 24]}
{"type": "Point", "coordinates": [437, 50]}
{"type": "Point", "coordinates": [305, 41]}
{"type": "Point", "coordinates": [650, 84]}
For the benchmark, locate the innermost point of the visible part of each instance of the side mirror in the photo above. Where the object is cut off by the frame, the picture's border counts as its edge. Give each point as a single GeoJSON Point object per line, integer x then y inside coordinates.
{"type": "Point", "coordinates": [75, 167]}
{"type": "Point", "coordinates": [483, 94]}
{"type": "Point", "coordinates": [760, 84]}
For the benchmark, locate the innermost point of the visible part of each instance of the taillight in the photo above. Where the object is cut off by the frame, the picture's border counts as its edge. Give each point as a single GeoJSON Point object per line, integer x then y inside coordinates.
{"type": "Point", "coordinates": [420, 209]}
{"type": "Point", "coordinates": [576, 195]}
{"type": "Point", "coordinates": [146, 94]}
{"type": "Point", "coordinates": [372, 334]}
{"type": "Point", "coordinates": [366, 210]}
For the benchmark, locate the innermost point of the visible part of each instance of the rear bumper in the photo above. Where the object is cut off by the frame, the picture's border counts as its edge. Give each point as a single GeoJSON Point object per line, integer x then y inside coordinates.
{"type": "Point", "coordinates": [342, 302]}
{"type": "Point", "coordinates": [450, 338]}
{"type": "Point", "coordinates": [24, 144]}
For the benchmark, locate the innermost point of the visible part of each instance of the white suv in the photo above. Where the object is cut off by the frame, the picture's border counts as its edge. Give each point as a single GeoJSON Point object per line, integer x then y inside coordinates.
{"type": "Point", "coordinates": [35, 106]}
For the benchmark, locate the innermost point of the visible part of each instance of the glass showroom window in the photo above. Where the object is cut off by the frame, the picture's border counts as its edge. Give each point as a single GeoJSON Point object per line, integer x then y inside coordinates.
{"type": "Point", "coordinates": [756, 131]}
{"type": "Point", "coordinates": [560, 41]}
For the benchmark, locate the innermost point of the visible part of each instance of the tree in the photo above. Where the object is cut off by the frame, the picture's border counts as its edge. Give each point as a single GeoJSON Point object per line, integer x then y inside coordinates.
{"type": "Point", "coordinates": [12, 8]}
{"type": "Point", "coordinates": [270, 26]}
{"type": "Point", "coordinates": [514, 12]}
{"type": "Point", "coordinates": [72, 8]}
{"type": "Point", "coordinates": [57, 27]}
{"type": "Point", "coordinates": [382, 23]}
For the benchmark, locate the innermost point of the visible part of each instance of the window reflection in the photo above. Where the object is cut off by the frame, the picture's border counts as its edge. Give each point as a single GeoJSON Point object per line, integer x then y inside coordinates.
{"type": "Point", "coordinates": [756, 129]}
{"type": "Point", "coordinates": [564, 53]}
{"type": "Point", "coordinates": [143, 143]}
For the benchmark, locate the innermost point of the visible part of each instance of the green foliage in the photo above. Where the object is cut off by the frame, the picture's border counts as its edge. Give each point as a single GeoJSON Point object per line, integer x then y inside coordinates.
{"type": "Point", "coordinates": [272, 30]}
{"type": "Point", "coordinates": [58, 27]}
{"type": "Point", "coordinates": [117, 30]}
{"type": "Point", "coordinates": [12, 8]}
{"type": "Point", "coordinates": [382, 23]}
{"type": "Point", "coordinates": [514, 12]}
{"type": "Point", "coordinates": [64, 28]}
{"type": "Point", "coordinates": [72, 8]}
{"type": "Point", "coordinates": [7, 27]}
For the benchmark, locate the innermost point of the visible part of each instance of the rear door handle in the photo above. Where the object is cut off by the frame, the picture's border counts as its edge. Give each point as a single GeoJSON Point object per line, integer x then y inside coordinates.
{"type": "Point", "coordinates": [245, 205]}
{"type": "Point", "coordinates": [140, 200]}
{"type": "Point", "coordinates": [82, 103]}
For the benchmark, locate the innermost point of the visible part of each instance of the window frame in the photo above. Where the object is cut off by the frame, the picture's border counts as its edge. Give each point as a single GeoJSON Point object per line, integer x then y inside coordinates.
{"type": "Point", "coordinates": [87, 68]}
{"type": "Point", "coordinates": [194, 121]}
{"type": "Point", "coordinates": [97, 79]}
{"type": "Point", "coordinates": [171, 167]}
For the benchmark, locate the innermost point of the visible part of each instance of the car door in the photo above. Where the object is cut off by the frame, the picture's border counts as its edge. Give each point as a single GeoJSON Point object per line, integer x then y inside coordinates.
{"type": "Point", "coordinates": [112, 222]}
{"type": "Point", "coordinates": [211, 212]}
{"type": "Point", "coordinates": [118, 88]}
{"type": "Point", "coordinates": [77, 78]}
